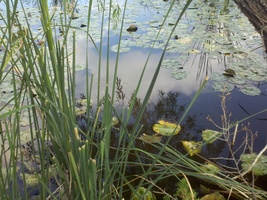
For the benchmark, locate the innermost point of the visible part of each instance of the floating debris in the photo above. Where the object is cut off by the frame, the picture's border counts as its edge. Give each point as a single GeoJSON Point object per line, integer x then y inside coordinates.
{"type": "Point", "coordinates": [74, 17]}
{"type": "Point", "coordinates": [229, 72]}
{"type": "Point", "coordinates": [176, 37]}
{"type": "Point", "coordinates": [132, 28]}
{"type": "Point", "coordinates": [40, 42]}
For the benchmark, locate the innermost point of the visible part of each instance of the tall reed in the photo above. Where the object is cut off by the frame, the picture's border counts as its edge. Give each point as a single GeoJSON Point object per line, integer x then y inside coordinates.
{"type": "Point", "coordinates": [82, 164]}
{"type": "Point", "coordinates": [47, 91]}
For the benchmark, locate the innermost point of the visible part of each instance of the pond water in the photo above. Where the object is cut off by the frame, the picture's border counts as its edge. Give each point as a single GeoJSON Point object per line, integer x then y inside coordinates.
{"type": "Point", "coordinates": [205, 43]}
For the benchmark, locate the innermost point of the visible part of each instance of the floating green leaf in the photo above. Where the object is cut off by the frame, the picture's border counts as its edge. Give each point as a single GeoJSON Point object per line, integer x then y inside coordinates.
{"type": "Point", "coordinates": [204, 189]}
{"type": "Point", "coordinates": [80, 111]}
{"type": "Point", "coordinates": [151, 138]}
{"type": "Point", "coordinates": [222, 86]}
{"type": "Point", "coordinates": [210, 168]}
{"type": "Point", "coordinates": [25, 118]}
{"type": "Point", "coordinates": [184, 191]}
{"type": "Point", "coordinates": [192, 147]}
{"type": "Point", "coordinates": [250, 90]}
{"type": "Point", "coordinates": [213, 196]}
{"type": "Point", "coordinates": [31, 179]}
{"type": "Point", "coordinates": [122, 48]}
{"type": "Point", "coordinates": [260, 167]}
{"type": "Point", "coordinates": [210, 135]}
{"type": "Point", "coordinates": [139, 195]}
{"type": "Point", "coordinates": [166, 128]}
{"type": "Point", "coordinates": [238, 80]}
{"type": "Point", "coordinates": [179, 74]}
{"type": "Point", "coordinates": [115, 121]}
{"type": "Point", "coordinates": [185, 40]}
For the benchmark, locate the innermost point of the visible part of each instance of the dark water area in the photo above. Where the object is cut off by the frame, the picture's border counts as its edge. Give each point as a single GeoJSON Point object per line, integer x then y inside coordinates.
{"type": "Point", "coordinates": [240, 106]}
{"type": "Point", "coordinates": [173, 93]}
{"type": "Point", "coordinates": [197, 64]}
{"type": "Point", "coordinates": [208, 103]}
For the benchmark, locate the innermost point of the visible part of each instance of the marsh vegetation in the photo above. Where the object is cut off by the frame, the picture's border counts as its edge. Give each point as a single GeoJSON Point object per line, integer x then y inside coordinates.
{"type": "Point", "coordinates": [72, 129]}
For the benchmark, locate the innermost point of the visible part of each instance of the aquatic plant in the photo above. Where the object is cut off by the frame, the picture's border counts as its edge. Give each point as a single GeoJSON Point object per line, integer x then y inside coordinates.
{"type": "Point", "coordinates": [70, 161]}
{"type": "Point", "coordinates": [42, 68]}
{"type": "Point", "coordinates": [184, 190]}
{"type": "Point", "coordinates": [166, 128]}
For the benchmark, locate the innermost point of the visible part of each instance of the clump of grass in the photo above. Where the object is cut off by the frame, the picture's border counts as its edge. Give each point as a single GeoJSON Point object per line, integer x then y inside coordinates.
{"type": "Point", "coordinates": [84, 169]}
{"type": "Point", "coordinates": [184, 190]}
{"type": "Point", "coordinates": [91, 166]}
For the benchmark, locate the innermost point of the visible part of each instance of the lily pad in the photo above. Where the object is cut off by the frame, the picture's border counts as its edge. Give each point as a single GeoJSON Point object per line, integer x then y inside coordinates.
{"type": "Point", "coordinates": [125, 46]}
{"type": "Point", "coordinates": [210, 135]}
{"type": "Point", "coordinates": [31, 179]}
{"type": "Point", "coordinates": [250, 90]}
{"type": "Point", "coordinates": [139, 195]}
{"type": "Point", "coordinates": [151, 138]}
{"type": "Point", "coordinates": [169, 63]}
{"type": "Point", "coordinates": [238, 80]}
{"type": "Point", "coordinates": [166, 128]}
{"type": "Point", "coordinates": [185, 40]}
{"type": "Point", "coordinates": [80, 111]}
{"type": "Point", "coordinates": [7, 88]}
{"type": "Point", "coordinates": [25, 118]}
{"type": "Point", "coordinates": [179, 74]}
{"type": "Point", "coordinates": [115, 121]}
{"type": "Point", "coordinates": [210, 168]}
{"type": "Point", "coordinates": [260, 167]}
{"type": "Point", "coordinates": [192, 147]}
{"type": "Point", "coordinates": [213, 196]}
{"type": "Point", "coordinates": [222, 86]}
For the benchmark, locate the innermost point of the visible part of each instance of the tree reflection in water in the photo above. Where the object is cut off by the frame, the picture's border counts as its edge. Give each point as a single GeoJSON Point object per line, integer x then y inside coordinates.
{"type": "Point", "coordinates": [166, 107]}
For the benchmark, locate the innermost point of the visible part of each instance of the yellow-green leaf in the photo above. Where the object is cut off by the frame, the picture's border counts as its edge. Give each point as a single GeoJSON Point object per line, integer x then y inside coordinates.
{"type": "Point", "coordinates": [210, 135]}
{"type": "Point", "coordinates": [166, 128]}
{"type": "Point", "coordinates": [139, 195]}
{"type": "Point", "coordinates": [210, 168]}
{"type": "Point", "coordinates": [213, 196]}
{"type": "Point", "coordinates": [259, 168]}
{"type": "Point", "coordinates": [151, 138]}
{"type": "Point", "coordinates": [115, 121]}
{"type": "Point", "coordinates": [204, 189]}
{"type": "Point", "coordinates": [79, 111]}
{"type": "Point", "coordinates": [192, 147]}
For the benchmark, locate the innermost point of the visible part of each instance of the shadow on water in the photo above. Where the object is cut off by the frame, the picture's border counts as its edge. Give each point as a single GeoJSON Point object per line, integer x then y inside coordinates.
{"type": "Point", "coordinates": [170, 106]}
